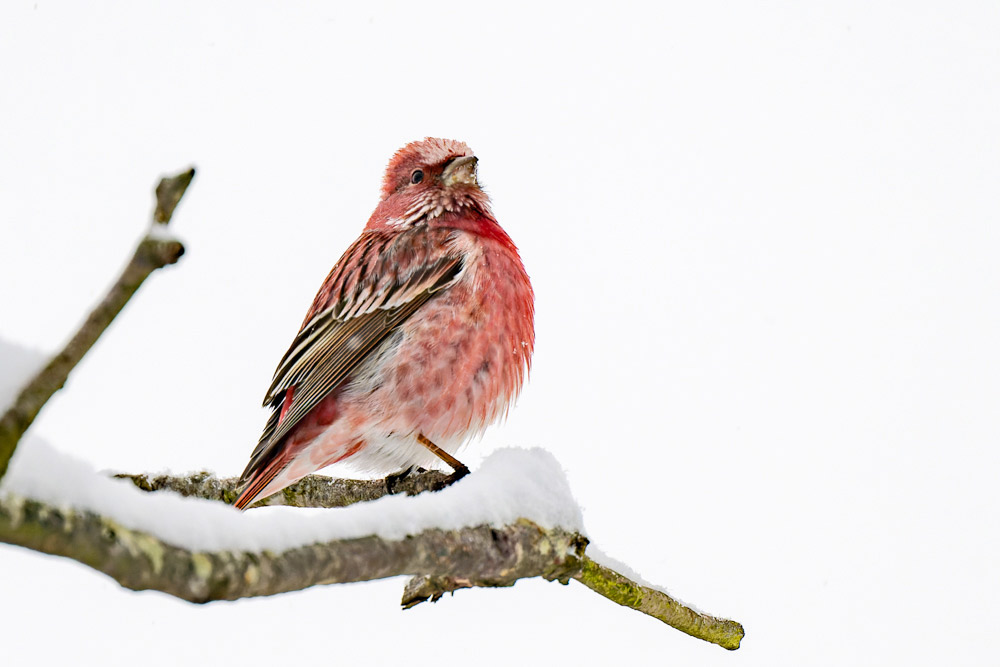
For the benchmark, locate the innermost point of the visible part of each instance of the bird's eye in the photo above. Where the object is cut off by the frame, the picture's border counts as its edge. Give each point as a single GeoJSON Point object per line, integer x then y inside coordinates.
{"type": "Point", "coordinates": [416, 176]}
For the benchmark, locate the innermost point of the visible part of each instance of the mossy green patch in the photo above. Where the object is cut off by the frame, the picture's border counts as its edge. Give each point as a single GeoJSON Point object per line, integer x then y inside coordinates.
{"type": "Point", "coordinates": [607, 584]}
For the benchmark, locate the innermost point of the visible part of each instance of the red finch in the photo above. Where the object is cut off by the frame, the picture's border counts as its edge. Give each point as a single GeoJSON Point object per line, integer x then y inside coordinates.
{"type": "Point", "coordinates": [420, 337]}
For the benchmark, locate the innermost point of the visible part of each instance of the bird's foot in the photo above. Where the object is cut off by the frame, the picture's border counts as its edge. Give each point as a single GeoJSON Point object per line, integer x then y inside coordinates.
{"type": "Point", "coordinates": [447, 480]}
{"type": "Point", "coordinates": [460, 472]}
{"type": "Point", "coordinates": [395, 483]}
{"type": "Point", "coordinates": [415, 480]}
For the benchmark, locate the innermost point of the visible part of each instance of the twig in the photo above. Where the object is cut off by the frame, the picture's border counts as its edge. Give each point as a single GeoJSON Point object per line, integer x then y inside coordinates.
{"type": "Point", "coordinates": [618, 588]}
{"type": "Point", "coordinates": [168, 195]}
{"type": "Point", "coordinates": [151, 254]}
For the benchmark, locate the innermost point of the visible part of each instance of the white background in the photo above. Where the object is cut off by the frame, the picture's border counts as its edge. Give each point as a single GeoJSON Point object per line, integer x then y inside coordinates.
{"type": "Point", "coordinates": [763, 238]}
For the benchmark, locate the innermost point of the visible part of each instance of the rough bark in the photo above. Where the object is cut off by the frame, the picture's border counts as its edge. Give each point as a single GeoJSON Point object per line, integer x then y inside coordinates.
{"type": "Point", "coordinates": [442, 561]}
{"type": "Point", "coordinates": [140, 561]}
{"type": "Point", "coordinates": [311, 491]}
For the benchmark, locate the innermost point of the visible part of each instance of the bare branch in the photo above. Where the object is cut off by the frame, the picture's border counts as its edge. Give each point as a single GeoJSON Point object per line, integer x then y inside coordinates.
{"type": "Point", "coordinates": [169, 193]}
{"type": "Point", "coordinates": [151, 254]}
{"type": "Point", "coordinates": [310, 491]}
{"type": "Point", "coordinates": [615, 587]}
{"type": "Point", "coordinates": [619, 588]}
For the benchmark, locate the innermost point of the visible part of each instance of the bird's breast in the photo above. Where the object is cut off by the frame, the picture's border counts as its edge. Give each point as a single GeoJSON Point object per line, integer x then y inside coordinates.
{"type": "Point", "coordinates": [457, 363]}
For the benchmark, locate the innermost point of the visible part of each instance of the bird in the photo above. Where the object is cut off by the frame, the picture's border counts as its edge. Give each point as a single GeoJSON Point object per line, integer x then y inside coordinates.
{"type": "Point", "coordinates": [419, 338]}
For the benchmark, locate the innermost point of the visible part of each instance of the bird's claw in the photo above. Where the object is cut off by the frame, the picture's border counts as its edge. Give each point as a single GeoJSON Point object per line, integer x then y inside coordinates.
{"type": "Point", "coordinates": [404, 482]}
{"type": "Point", "coordinates": [459, 473]}
{"type": "Point", "coordinates": [393, 481]}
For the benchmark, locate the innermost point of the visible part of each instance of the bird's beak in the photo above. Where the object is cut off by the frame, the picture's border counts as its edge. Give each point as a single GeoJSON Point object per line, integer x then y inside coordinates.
{"type": "Point", "coordinates": [461, 170]}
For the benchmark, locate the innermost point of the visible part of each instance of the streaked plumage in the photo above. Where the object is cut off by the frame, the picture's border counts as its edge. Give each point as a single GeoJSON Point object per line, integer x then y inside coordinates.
{"type": "Point", "coordinates": [425, 326]}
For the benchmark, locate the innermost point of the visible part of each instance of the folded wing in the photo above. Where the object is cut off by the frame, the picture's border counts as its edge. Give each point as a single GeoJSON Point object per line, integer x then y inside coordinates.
{"type": "Point", "coordinates": [352, 314]}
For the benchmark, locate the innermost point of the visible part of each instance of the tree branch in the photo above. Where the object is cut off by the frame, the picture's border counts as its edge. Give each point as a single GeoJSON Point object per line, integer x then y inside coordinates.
{"type": "Point", "coordinates": [151, 254]}
{"type": "Point", "coordinates": [619, 588]}
{"type": "Point", "coordinates": [442, 561]}
{"type": "Point", "coordinates": [140, 561]}
{"type": "Point", "coordinates": [310, 491]}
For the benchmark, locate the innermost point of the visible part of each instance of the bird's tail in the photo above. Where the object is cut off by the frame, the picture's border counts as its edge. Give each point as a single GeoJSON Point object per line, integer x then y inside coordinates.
{"type": "Point", "coordinates": [259, 481]}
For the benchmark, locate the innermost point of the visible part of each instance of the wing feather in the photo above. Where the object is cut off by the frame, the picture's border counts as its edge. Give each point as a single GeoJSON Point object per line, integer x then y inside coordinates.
{"type": "Point", "coordinates": [357, 309]}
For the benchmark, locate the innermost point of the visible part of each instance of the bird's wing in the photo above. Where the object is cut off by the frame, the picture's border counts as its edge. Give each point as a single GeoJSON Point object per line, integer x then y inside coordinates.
{"type": "Point", "coordinates": [378, 283]}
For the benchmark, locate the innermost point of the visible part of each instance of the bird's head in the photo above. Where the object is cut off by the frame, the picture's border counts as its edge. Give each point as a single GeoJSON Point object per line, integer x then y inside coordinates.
{"type": "Point", "coordinates": [430, 179]}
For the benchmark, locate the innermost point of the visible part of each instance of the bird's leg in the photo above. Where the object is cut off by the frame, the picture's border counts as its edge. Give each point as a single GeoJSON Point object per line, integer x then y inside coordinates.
{"type": "Point", "coordinates": [460, 468]}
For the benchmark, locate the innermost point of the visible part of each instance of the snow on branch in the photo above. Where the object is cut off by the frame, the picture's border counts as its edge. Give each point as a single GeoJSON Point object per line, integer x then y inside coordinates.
{"type": "Point", "coordinates": [330, 492]}
{"type": "Point", "coordinates": [445, 560]}
{"type": "Point", "coordinates": [514, 518]}
{"type": "Point", "coordinates": [479, 556]}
